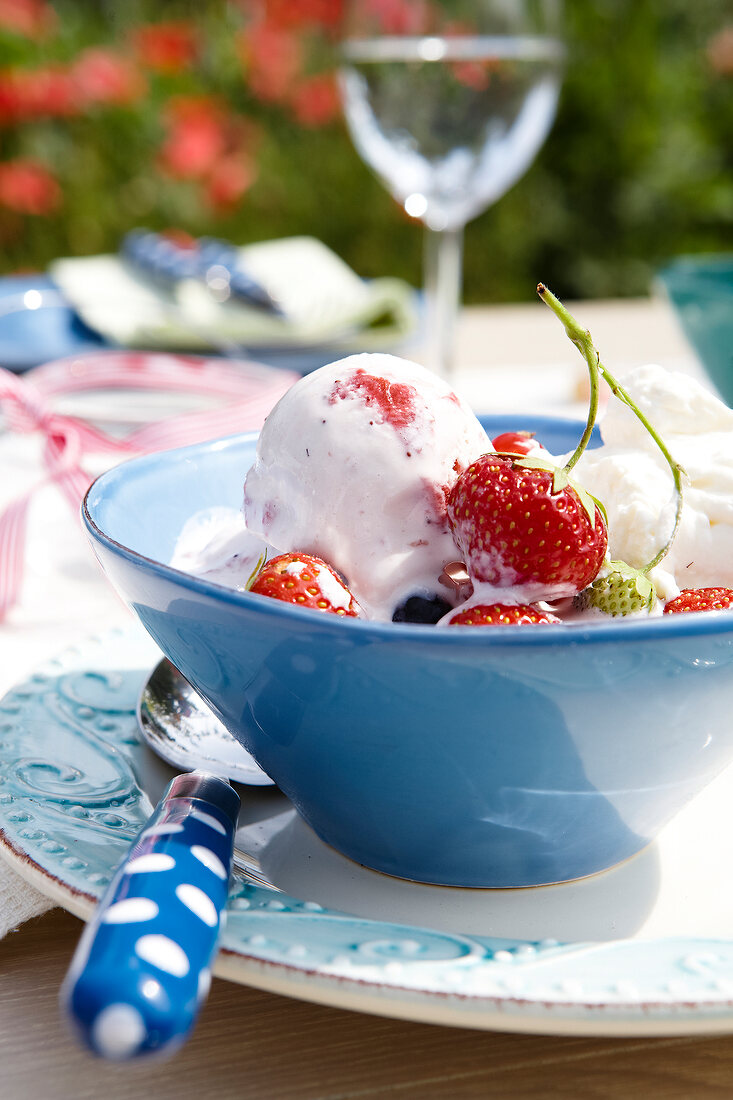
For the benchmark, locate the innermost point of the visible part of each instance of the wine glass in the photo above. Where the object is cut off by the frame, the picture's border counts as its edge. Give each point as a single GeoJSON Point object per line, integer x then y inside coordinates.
{"type": "Point", "coordinates": [448, 101]}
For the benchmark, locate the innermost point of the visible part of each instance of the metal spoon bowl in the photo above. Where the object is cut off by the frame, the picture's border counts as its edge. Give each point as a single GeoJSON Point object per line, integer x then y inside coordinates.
{"type": "Point", "coordinates": [181, 728]}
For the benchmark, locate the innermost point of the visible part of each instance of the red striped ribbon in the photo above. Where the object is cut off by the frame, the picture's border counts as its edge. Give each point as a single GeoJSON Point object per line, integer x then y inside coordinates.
{"type": "Point", "coordinates": [247, 391]}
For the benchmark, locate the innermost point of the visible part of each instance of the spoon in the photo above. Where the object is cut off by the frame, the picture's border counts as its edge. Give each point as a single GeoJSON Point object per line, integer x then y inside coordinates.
{"type": "Point", "coordinates": [180, 727]}
{"type": "Point", "coordinates": [142, 968]}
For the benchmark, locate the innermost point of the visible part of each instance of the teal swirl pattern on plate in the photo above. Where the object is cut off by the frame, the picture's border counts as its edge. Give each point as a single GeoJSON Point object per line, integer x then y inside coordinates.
{"type": "Point", "coordinates": [76, 785]}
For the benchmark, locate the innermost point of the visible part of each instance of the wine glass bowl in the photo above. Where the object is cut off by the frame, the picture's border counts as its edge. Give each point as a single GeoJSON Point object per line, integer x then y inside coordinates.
{"type": "Point", "coordinates": [449, 109]}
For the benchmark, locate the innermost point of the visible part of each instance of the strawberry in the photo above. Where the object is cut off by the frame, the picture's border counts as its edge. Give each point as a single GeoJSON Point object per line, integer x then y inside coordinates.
{"type": "Point", "coordinates": [305, 580]}
{"type": "Point", "coordinates": [701, 599]}
{"type": "Point", "coordinates": [514, 443]}
{"type": "Point", "coordinates": [502, 614]}
{"type": "Point", "coordinates": [521, 521]}
{"type": "Point", "coordinates": [621, 591]}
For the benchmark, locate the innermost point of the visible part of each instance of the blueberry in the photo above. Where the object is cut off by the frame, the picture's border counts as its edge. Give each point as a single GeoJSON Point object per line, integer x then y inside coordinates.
{"type": "Point", "coordinates": [421, 609]}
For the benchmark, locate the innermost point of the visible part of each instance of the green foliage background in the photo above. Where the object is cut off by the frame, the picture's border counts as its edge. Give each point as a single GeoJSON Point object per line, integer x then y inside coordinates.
{"type": "Point", "coordinates": [638, 168]}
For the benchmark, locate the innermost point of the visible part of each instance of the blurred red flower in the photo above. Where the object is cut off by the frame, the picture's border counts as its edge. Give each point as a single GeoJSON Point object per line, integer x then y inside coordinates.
{"type": "Point", "coordinates": [8, 100]}
{"type": "Point", "coordinates": [104, 77]}
{"type": "Point", "coordinates": [720, 51]}
{"type": "Point", "coordinates": [196, 136]}
{"type": "Point", "coordinates": [96, 78]}
{"type": "Point", "coordinates": [294, 14]}
{"type": "Point", "coordinates": [229, 179]}
{"type": "Point", "coordinates": [166, 47]}
{"type": "Point", "coordinates": [473, 74]}
{"type": "Point", "coordinates": [27, 187]}
{"type": "Point", "coordinates": [315, 100]}
{"type": "Point", "coordinates": [272, 61]}
{"type": "Point", "coordinates": [207, 142]}
{"type": "Point", "coordinates": [399, 17]}
{"type": "Point", "coordinates": [32, 18]}
{"type": "Point", "coordinates": [27, 94]}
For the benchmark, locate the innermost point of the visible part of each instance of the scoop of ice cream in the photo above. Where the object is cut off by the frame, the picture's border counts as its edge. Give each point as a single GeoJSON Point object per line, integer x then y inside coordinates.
{"type": "Point", "coordinates": [215, 544]}
{"type": "Point", "coordinates": [630, 476]}
{"type": "Point", "coordinates": [354, 464]}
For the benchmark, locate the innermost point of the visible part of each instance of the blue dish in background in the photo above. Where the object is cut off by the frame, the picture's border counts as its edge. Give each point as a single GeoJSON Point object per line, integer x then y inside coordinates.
{"type": "Point", "coordinates": [504, 757]}
{"type": "Point", "coordinates": [700, 288]}
{"type": "Point", "coordinates": [49, 328]}
{"type": "Point", "coordinates": [37, 324]}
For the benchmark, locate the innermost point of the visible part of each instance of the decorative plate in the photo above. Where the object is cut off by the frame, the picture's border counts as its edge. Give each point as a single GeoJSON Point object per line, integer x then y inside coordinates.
{"type": "Point", "coordinates": [644, 949]}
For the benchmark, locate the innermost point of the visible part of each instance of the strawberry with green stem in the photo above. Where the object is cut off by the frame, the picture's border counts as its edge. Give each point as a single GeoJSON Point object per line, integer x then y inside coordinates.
{"type": "Point", "coordinates": [622, 589]}
{"type": "Point", "coordinates": [520, 522]}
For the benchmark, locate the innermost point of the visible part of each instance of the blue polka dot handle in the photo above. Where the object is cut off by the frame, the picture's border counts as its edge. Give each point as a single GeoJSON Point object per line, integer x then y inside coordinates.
{"type": "Point", "coordinates": [143, 965]}
{"type": "Point", "coordinates": [215, 262]}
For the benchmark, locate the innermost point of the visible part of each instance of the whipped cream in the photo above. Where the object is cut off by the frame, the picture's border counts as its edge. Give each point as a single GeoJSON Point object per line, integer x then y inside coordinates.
{"type": "Point", "coordinates": [631, 477]}
{"type": "Point", "coordinates": [215, 544]}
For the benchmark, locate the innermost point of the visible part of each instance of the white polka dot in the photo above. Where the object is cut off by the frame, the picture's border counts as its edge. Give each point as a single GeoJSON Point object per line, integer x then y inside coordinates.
{"type": "Point", "coordinates": [210, 820]}
{"type": "Point", "coordinates": [153, 861]}
{"type": "Point", "coordinates": [118, 1031]}
{"type": "Point", "coordinates": [204, 984]}
{"type": "Point", "coordinates": [164, 954]}
{"type": "Point", "coordinates": [130, 910]}
{"type": "Point", "coordinates": [151, 989]}
{"type": "Point", "coordinates": [209, 859]}
{"type": "Point", "coordinates": [198, 902]}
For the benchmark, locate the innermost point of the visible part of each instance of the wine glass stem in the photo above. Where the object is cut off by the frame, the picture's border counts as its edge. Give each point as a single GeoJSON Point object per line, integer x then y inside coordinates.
{"type": "Point", "coordinates": [442, 285]}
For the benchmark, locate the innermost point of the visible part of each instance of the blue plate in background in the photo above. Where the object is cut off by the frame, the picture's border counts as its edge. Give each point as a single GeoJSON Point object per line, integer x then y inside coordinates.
{"type": "Point", "coordinates": [38, 325]}
{"type": "Point", "coordinates": [700, 289]}
{"type": "Point", "coordinates": [43, 327]}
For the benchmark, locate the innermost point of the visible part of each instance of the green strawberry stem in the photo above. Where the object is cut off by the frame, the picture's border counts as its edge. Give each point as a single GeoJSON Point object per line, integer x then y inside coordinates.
{"type": "Point", "coordinates": [582, 339]}
{"type": "Point", "coordinates": [255, 572]}
{"type": "Point", "coordinates": [593, 368]}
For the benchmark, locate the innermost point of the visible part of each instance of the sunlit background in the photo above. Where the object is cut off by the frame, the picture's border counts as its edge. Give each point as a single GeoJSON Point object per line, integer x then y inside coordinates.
{"type": "Point", "coordinates": [223, 118]}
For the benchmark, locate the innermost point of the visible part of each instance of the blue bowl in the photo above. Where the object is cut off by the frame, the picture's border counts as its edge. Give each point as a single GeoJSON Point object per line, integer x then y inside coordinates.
{"type": "Point", "coordinates": [502, 757]}
{"type": "Point", "coordinates": [700, 289]}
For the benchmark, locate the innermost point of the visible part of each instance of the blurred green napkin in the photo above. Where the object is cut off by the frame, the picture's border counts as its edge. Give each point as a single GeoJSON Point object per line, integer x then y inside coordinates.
{"type": "Point", "coordinates": [323, 302]}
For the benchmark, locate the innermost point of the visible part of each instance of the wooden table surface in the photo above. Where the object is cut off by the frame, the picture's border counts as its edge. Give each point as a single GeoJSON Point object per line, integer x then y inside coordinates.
{"type": "Point", "coordinates": [249, 1043]}
{"type": "Point", "coordinates": [259, 1045]}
